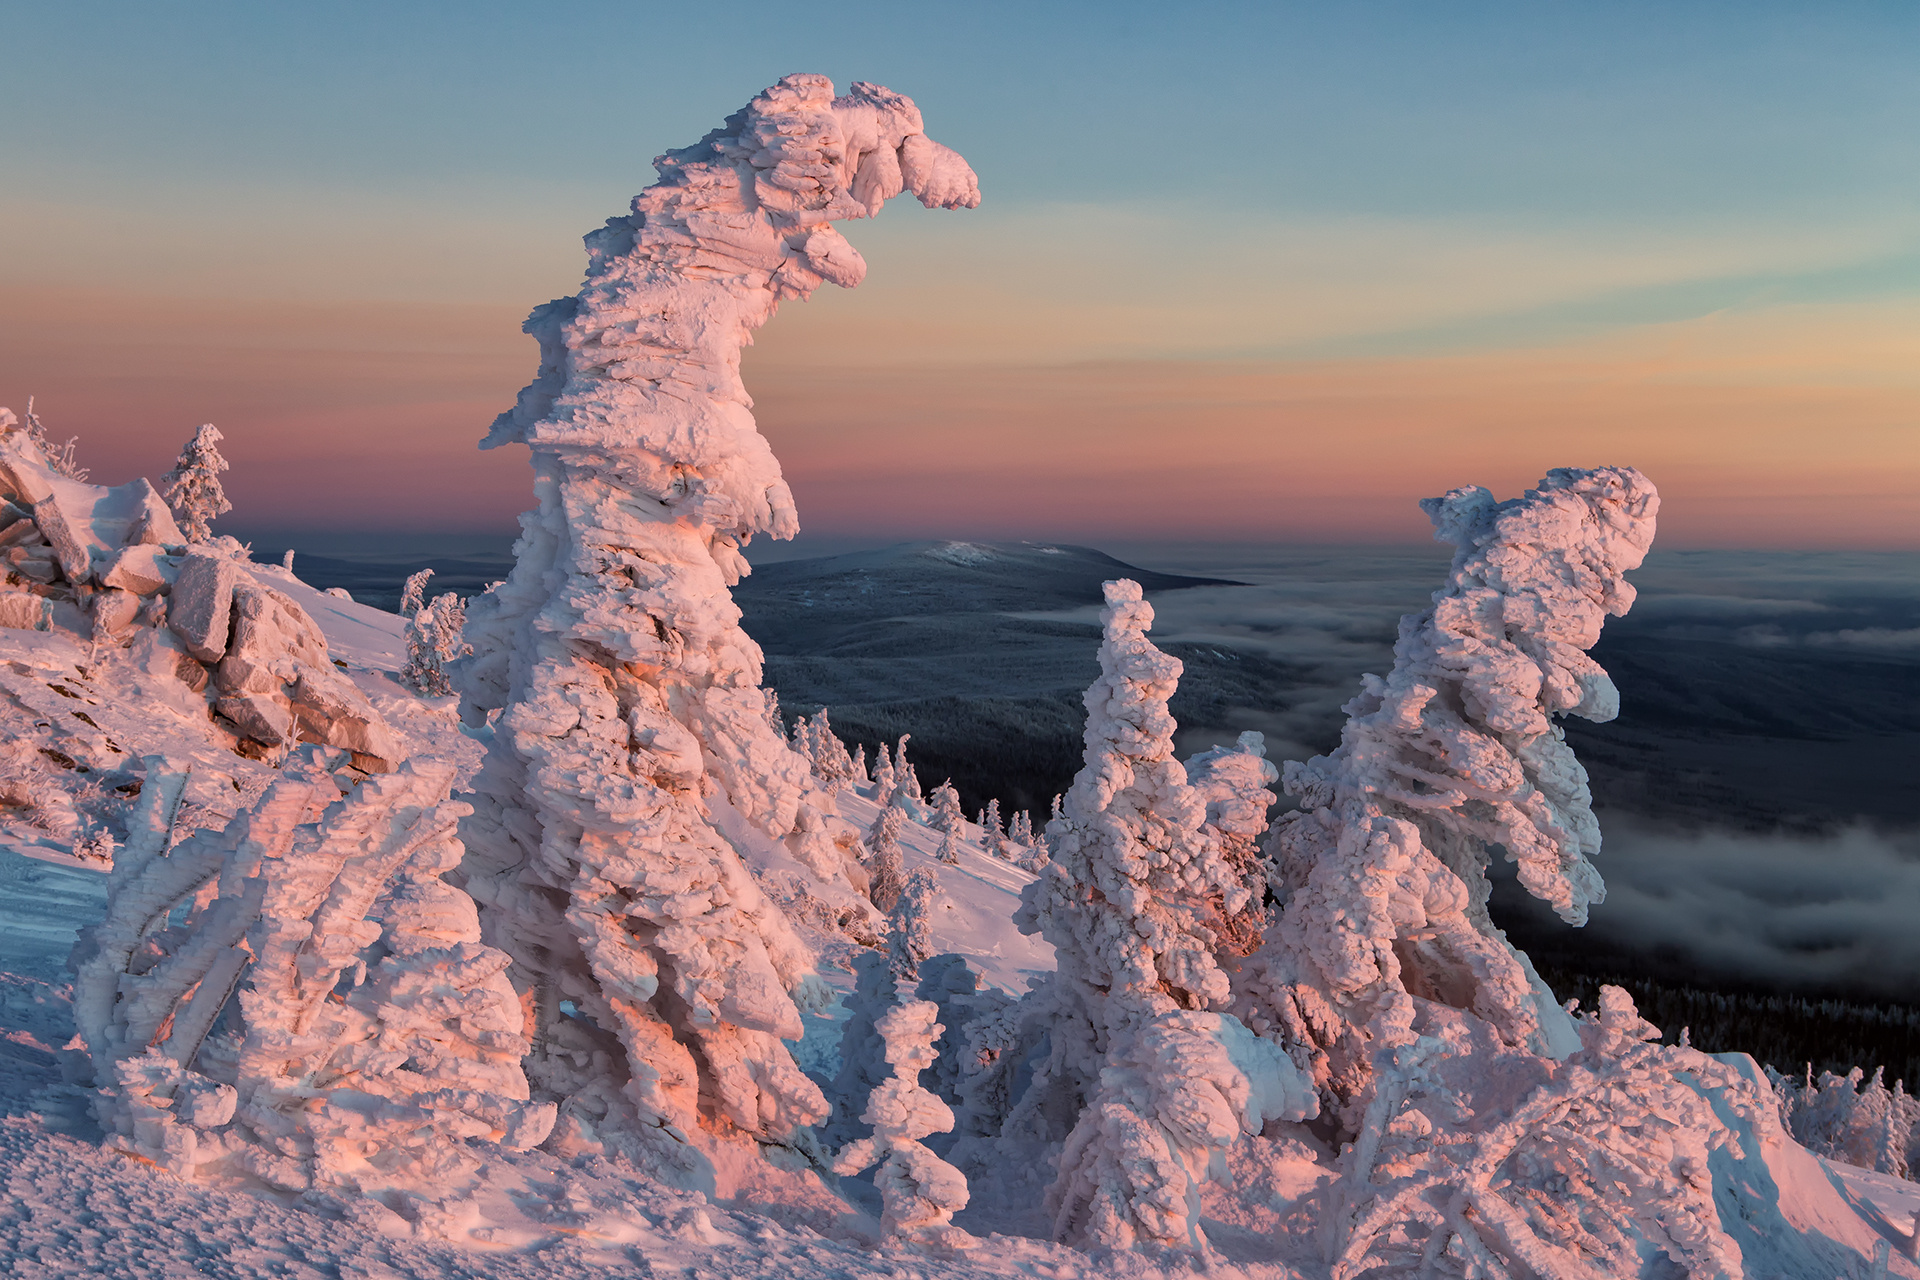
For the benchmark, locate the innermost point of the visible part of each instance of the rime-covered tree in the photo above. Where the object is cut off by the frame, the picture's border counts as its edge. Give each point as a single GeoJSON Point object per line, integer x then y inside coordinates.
{"type": "Point", "coordinates": [192, 489]}
{"type": "Point", "coordinates": [920, 1192]}
{"type": "Point", "coordinates": [885, 875]}
{"type": "Point", "coordinates": [951, 843]}
{"type": "Point", "coordinates": [1020, 829]}
{"type": "Point", "coordinates": [630, 698]}
{"type": "Point", "coordinates": [435, 638]}
{"type": "Point", "coordinates": [60, 457]}
{"type": "Point", "coordinates": [301, 996]}
{"type": "Point", "coordinates": [1454, 754]}
{"type": "Point", "coordinates": [413, 596]}
{"type": "Point", "coordinates": [945, 802]}
{"type": "Point", "coordinates": [907, 793]}
{"type": "Point", "coordinates": [1237, 783]}
{"type": "Point", "coordinates": [910, 925]}
{"type": "Point", "coordinates": [992, 827]}
{"type": "Point", "coordinates": [1125, 903]}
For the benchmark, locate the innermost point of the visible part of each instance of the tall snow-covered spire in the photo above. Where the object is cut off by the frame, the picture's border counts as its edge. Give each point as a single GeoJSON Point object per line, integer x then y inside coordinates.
{"type": "Point", "coordinates": [1455, 753]}
{"type": "Point", "coordinates": [632, 701]}
{"type": "Point", "coordinates": [1131, 862]}
{"type": "Point", "coordinates": [1155, 1084]}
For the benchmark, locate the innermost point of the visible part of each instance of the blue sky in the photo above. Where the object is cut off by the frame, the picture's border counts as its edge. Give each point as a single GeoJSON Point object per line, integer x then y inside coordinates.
{"type": "Point", "coordinates": [1277, 184]}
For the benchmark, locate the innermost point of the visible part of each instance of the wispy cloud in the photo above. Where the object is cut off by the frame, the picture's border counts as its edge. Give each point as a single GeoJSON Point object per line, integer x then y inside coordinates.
{"type": "Point", "coordinates": [1834, 911]}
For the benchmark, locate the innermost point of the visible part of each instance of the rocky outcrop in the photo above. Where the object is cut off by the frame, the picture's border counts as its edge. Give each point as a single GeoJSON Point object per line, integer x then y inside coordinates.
{"type": "Point", "coordinates": [111, 561]}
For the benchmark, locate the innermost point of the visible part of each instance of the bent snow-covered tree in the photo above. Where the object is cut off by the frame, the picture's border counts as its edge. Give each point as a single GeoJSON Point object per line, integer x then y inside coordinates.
{"type": "Point", "coordinates": [1160, 1083]}
{"type": "Point", "coordinates": [192, 489]}
{"type": "Point", "coordinates": [1382, 872]}
{"type": "Point", "coordinates": [300, 997]}
{"type": "Point", "coordinates": [632, 713]}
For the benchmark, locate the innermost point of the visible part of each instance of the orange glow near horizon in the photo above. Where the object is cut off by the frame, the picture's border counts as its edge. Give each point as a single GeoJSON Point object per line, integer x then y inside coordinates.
{"type": "Point", "coordinates": [1790, 427]}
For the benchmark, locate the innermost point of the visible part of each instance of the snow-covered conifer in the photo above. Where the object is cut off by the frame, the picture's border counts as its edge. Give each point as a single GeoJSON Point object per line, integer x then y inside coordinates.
{"type": "Point", "coordinates": [1454, 753]}
{"type": "Point", "coordinates": [192, 489]}
{"type": "Point", "coordinates": [910, 925]}
{"type": "Point", "coordinates": [632, 712]}
{"type": "Point", "coordinates": [1488, 1161]}
{"type": "Point", "coordinates": [951, 843]}
{"type": "Point", "coordinates": [907, 793]}
{"type": "Point", "coordinates": [60, 457]}
{"type": "Point", "coordinates": [413, 596]}
{"type": "Point", "coordinates": [1020, 829]}
{"type": "Point", "coordinates": [1124, 903]}
{"type": "Point", "coordinates": [860, 774]}
{"type": "Point", "coordinates": [304, 986]}
{"type": "Point", "coordinates": [885, 875]}
{"type": "Point", "coordinates": [883, 775]}
{"type": "Point", "coordinates": [435, 638]}
{"type": "Point", "coordinates": [920, 1191]}
{"type": "Point", "coordinates": [815, 739]}
{"type": "Point", "coordinates": [1237, 783]}
{"type": "Point", "coordinates": [992, 827]}
{"type": "Point", "coordinates": [1866, 1125]}
{"type": "Point", "coordinates": [945, 802]}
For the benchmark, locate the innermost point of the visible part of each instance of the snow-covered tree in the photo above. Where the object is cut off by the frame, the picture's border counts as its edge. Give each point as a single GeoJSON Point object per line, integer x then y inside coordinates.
{"type": "Point", "coordinates": [883, 775]}
{"type": "Point", "coordinates": [1125, 902]}
{"type": "Point", "coordinates": [992, 827]}
{"type": "Point", "coordinates": [1484, 1161]}
{"type": "Point", "coordinates": [1853, 1118]}
{"type": "Point", "coordinates": [910, 925]}
{"type": "Point", "coordinates": [1454, 753]}
{"type": "Point", "coordinates": [1237, 783]}
{"type": "Point", "coordinates": [885, 877]}
{"type": "Point", "coordinates": [301, 996]}
{"type": "Point", "coordinates": [951, 843]}
{"type": "Point", "coordinates": [632, 702]}
{"type": "Point", "coordinates": [815, 739]}
{"type": "Point", "coordinates": [907, 793]}
{"type": "Point", "coordinates": [60, 457]}
{"type": "Point", "coordinates": [945, 802]}
{"type": "Point", "coordinates": [192, 489]}
{"type": "Point", "coordinates": [413, 596]}
{"type": "Point", "coordinates": [920, 1191]}
{"type": "Point", "coordinates": [435, 638]}
{"type": "Point", "coordinates": [1020, 829]}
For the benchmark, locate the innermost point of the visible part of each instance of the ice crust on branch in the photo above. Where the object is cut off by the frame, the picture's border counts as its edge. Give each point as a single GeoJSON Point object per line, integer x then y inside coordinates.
{"type": "Point", "coordinates": [1382, 872]}
{"type": "Point", "coordinates": [300, 997]}
{"type": "Point", "coordinates": [1160, 1084]}
{"type": "Point", "coordinates": [631, 701]}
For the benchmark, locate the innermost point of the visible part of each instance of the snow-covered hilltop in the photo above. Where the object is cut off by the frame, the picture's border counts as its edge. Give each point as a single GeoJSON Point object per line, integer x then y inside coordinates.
{"type": "Point", "coordinates": [615, 969]}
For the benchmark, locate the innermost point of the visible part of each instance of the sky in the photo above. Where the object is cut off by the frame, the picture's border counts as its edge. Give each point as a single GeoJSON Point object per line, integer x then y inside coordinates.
{"type": "Point", "coordinates": [1260, 272]}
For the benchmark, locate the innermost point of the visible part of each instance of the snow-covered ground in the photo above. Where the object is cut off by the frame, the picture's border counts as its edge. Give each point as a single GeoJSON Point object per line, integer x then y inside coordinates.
{"type": "Point", "coordinates": [73, 1208]}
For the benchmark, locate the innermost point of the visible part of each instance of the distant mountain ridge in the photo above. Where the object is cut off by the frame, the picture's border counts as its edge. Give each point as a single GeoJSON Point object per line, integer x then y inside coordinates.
{"type": "Point", "coordinates": [933, 639]}
{"type": "Point", "coordinates": [921, 578]}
